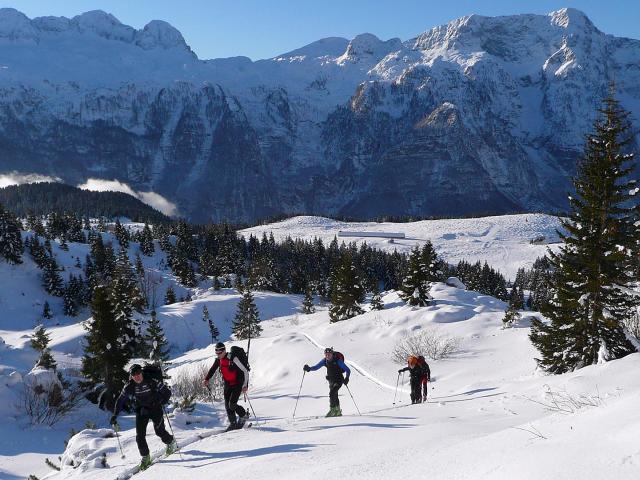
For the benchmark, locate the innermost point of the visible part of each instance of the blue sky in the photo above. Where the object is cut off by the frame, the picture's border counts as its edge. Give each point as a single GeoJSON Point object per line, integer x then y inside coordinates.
{"type": "Point", "coordinates": [262, 29]}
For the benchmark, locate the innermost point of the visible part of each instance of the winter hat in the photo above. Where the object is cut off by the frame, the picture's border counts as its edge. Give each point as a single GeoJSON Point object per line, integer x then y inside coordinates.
{"type": "Point", "coordinates": [220, 347]}
{"type": "Point", "coordinates": [328, 350]}
{"type": "Point", "coordinates": [135, 369]}
{"type": "Point", "coordinates": [412, 360]}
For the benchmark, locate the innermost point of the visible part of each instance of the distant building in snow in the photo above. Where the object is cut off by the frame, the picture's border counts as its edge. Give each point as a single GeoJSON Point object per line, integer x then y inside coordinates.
{"type": "Point", "coordinates": [342, 233]}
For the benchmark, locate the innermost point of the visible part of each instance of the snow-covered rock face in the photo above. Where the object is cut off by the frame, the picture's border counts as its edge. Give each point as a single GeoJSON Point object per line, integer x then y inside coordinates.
{"type": "Point", "coordinates": [454, 121]}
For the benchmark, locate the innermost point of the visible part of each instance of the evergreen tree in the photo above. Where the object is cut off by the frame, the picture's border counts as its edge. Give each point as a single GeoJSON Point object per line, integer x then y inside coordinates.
{"type": "Point", "coordinates": [121, 234]}
{"type": "Point", "coordinates": [11, 246]}
{"type": "Point", "coordinates": [213, 330]}
{"type": "Point", "coordinates": [46, 360]}
{"type": "Point", "coordinates": [73, 296]}
{"type": "Point", "coordinates": [146, 241]}
{"type": "Point", "coordinates": [347, 292]}
{"type": "Point", "coordinates": [376, 299]}
{"type": "Point", "coordinates": [417, 284]}
{"type": "Point", "coordinates": [104, 357]}
{"type": "Point", "coordinates": [511, 316]}
{"type": "Point", "coordinates": [125, 297]}
{"type": "Point", "coordinates": [307, 303]}
{"type": "Point", "coordinates": [247, 321]}
{"type": "Point", "coordinates": [157, 344]}
{"type": "Point", "coordinates": [46, 311]}
{"type": "Point", "coordinates": [170, 296]}
{"type": "Point", "coordinates": [40, 339]}
{"type": "Point", "coordinates": [51, 280]}
{"type": "Point", "coordinates": [592, 269]}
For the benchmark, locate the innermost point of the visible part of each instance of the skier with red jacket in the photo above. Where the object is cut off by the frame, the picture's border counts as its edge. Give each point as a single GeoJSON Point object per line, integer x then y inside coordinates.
{"type": "Point", "coordinates": [236, 380]}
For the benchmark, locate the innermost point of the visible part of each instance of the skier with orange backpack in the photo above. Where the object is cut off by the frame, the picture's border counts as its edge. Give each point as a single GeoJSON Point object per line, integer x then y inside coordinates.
{"type": "Point", "coordinates": [334, 361]}
{"type": "Point", "coordinates": [426, 376]}
{"type": "Point", "coordinates": [416, 372]}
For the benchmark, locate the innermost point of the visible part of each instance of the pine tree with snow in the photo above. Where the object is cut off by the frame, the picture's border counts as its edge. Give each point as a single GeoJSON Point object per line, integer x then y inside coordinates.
{"type": "Point", "coordinates": [121, 234]}
{"type": "Point", "coordinates": [70, 296]}
{"type": "Point", "coordinates": [46, 360]}
{"type": "Point", "coordinates": [170, 296]}
{"type": "Point", "coordinates": [592, 281]}
{"type": "Point", "coordinates": [216, 284]}
{"type": "Point", "coordinates": [247, 321]}
{"type": "Point", "coordinates": [156, 342]}
{"type": "Point", "coordinates": [46, 311]}
{"type": "Point", "coordinates": [146, 241]}
{"type": "Point", "coordinates": [104, 359]}
{"type": "Point", "coordinates": [213, 330]}
{"type": "Point", "coordinates": [40, 339]}
{"type": "Point", "coordinates": [125, 297]}
{"type": "Point", "coordinates": [51, 280]}
{"type": "Point", "coordinates": [307, 303]}
{"type": "Point", "coordinates": [511, 316]}
{"type": "Point", "coordinates": [347, 292]}
{"type": "Point", "coordinates": [11, 246]}
{"type": "Point", "coordinates": [417, 284]}
{"type": "Point", "coordinates": [376, 298]}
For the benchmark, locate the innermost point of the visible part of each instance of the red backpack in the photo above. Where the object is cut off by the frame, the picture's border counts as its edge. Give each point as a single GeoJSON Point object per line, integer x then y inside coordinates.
{"type": "Point", "coordinates": [338, 356]}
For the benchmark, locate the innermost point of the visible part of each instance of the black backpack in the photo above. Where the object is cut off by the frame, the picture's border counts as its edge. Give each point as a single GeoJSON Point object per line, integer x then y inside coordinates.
{"type": "Point", "coordinates": [338, 356]}
{"type": "Point", "coordinates": [155, 373]}
{"type": "Point", "coordinates": [241, 355]}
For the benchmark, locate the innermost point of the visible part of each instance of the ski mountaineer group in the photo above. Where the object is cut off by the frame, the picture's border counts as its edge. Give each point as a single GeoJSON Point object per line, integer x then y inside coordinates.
{"type": "Point", "coordinates": [419, 375]}
{"type": "Point", "coordinates": [148, 392]}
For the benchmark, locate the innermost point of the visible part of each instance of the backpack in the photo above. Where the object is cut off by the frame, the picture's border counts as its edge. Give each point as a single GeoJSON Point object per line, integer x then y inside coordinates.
{"type": "Point", "coordinates": [338, 356]}
{"type": "Point", "coordinates": [242, 356]}
{"type": "Point", "coordinates": [154, 372]}
{"type": "Point", "coordinates": [422, 362]}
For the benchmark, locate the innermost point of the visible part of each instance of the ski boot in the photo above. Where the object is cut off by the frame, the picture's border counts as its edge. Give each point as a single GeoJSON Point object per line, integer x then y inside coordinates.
{"type": "Point", "coordinates": [146, 462]}
{"type": "Point", "coordinates": [337, 412]}
{"type": "Point", "coordinates": [242, 420]}
{"type": "Point", "coordinates": [171, 447]}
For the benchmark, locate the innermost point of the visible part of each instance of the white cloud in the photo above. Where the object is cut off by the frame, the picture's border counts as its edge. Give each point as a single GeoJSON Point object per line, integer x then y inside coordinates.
{"type": "Point", "coordinates": [152, 199]}
{"type": "Point", "coordinates": [15, 178]}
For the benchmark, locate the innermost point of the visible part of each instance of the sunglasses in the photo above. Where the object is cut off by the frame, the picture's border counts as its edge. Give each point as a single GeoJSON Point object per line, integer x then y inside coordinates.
{"type": "Point", "coordinates": [220, 351]}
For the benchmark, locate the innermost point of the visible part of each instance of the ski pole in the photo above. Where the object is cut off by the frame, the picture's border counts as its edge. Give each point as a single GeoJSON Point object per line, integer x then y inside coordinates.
{"type": "Point", "coordinates": [354, 400]}
{"type": "Point", "coordinates": [172, 434]}
{"type": "Point", "coordinates": [246, 398]}
{"type": "Point", "coordinates": [402, 385]}
{"type": "Point", "coordinates": [395, 394]}
{"type": "Point", "coordinates": [298, 398]}
{"type": "Point", "coordinates": [119, 444]}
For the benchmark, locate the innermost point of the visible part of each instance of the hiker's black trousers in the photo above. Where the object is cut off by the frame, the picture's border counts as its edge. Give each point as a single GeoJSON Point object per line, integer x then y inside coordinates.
{"type": "Point", "coordinates": [156, 415]}
{"type": "Point", "coordinates": [231, 397]}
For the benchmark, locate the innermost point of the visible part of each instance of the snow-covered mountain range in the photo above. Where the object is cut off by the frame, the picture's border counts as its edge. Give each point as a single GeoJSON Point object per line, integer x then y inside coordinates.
{"type": "Point", "coordinates": [480, 115]}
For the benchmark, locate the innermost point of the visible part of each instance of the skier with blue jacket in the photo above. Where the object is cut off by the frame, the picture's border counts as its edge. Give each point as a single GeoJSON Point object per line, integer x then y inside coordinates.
{"type": "Point", "coordinates": [334, 361]}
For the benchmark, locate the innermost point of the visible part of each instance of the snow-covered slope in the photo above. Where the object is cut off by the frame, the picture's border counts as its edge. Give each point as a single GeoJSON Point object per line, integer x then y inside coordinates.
{"type": "Point", "coordinates": [483, 419]}
{"type": "Point", "coordinates": [503, 241]}
{"type": "Point", "coordinates": [490, 413]}
{"type": "Point", "coordinates": [480, 115]}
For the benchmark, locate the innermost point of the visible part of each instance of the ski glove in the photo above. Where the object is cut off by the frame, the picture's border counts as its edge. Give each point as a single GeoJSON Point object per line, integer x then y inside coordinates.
{"type": "Point", "coordinates": [306, 368]}
{"type": "Point", "coordinates": [400, 371]}
{"type": "Point", "coordinates": [114, 420]}
{"type": "Point", "coordinates": [346, 380]}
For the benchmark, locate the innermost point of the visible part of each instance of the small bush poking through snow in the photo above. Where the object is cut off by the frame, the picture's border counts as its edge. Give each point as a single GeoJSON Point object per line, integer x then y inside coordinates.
{"type": "Point", "coordinates": [187, 385]}
{"type": "Point", "coordinates": [428, 342]}
{"type": "Point", "coordinates": [565, 402]}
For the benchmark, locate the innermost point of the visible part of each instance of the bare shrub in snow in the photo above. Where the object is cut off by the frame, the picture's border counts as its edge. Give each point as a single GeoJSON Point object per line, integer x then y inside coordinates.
{"type": "Point", "coordinates": [427, 342]}
{"type": "Point", "coordinates": [48, 406]}
{"type": "Point", "coordinates": [566, 402]}
{"type": "Point", "coordinates": [187, 385]}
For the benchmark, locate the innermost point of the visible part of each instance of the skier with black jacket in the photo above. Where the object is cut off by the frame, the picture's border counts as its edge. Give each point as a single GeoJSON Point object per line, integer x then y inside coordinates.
{"type": "Point", "coordinates": [236, 380]}
{"type": "Point", "coordinates": [149, 395]}
{"type": "Point", "coordinates": [334, 361]}
{"type": "Point", "coordinates": [416, 373]}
